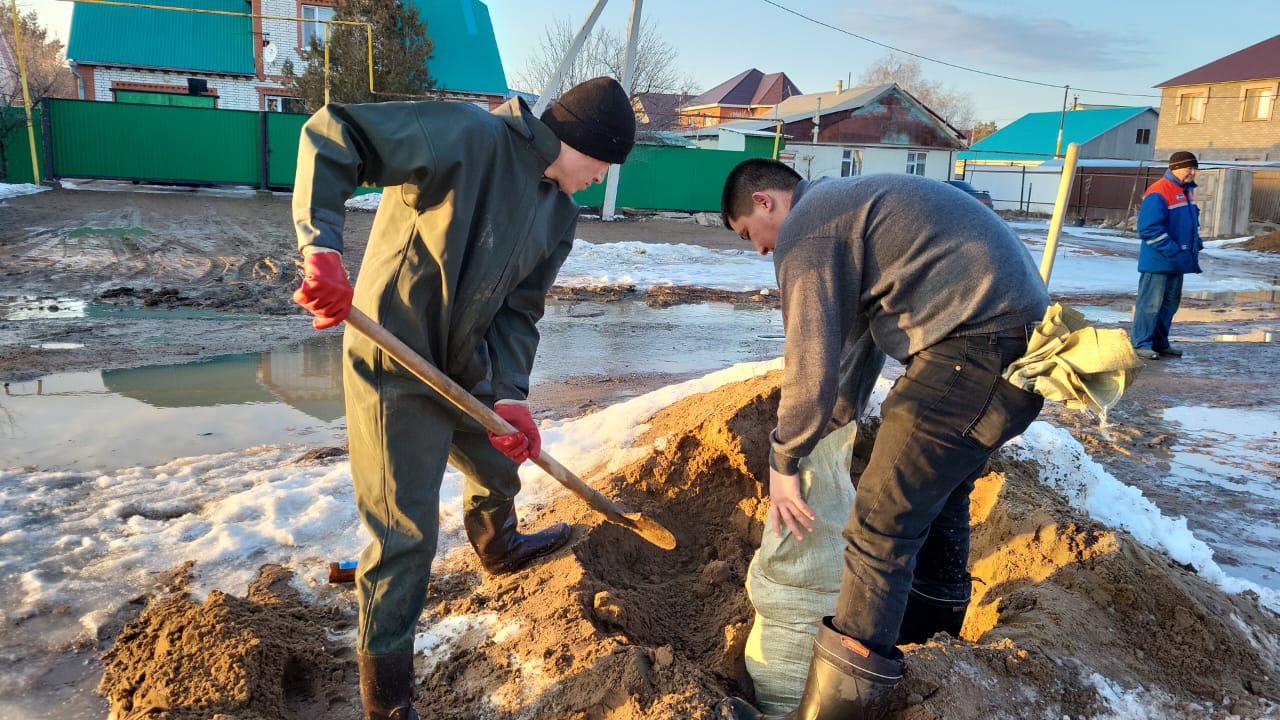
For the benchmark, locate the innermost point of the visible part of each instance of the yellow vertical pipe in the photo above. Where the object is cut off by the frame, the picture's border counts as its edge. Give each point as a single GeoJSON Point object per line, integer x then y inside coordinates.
{"type": "Point", "coordinates": [26, 93]}
{"type": "Point", "coordinates": [368, 29]}
{"type": "Point", "coordinates": [1059, 209]}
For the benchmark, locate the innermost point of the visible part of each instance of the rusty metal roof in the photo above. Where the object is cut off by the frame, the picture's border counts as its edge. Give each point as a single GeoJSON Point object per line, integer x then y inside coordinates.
{"type": "Point", "coordinates": [1255, 62]}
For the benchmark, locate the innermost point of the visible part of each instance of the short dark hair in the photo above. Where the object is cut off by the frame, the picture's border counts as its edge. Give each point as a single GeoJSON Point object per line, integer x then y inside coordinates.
{"type": "Point", "coordinates": [753, 176]}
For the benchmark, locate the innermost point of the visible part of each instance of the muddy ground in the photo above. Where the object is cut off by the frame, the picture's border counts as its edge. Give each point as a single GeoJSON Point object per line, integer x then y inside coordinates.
{"type": "Point", "coordinates": [611, 627]}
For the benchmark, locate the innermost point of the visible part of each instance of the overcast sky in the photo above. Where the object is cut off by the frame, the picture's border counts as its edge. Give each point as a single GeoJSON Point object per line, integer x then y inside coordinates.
{"type": "Point", "coordinates": [1091, 45]}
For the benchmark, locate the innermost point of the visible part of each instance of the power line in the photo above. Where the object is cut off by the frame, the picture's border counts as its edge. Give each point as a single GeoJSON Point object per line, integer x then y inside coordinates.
{"type": "Point", "coordinates": [943, 62]}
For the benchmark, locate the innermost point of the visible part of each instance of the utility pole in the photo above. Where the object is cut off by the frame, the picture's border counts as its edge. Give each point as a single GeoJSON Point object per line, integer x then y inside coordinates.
{"type": "Point", "coordinates": [1062, 119]}
{"type": "Point", "coordinates": [26, 93]}
{"type": "Point", "coordinates": [633, 36]}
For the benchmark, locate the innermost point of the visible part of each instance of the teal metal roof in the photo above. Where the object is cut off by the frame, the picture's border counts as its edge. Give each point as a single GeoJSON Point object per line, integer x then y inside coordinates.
{"type": "Point", "coordinates": [1034, 136]}
{"type": "Point", "coordinates": [153, 38]}
{"type": "Point", "coordinates": [465, 58]}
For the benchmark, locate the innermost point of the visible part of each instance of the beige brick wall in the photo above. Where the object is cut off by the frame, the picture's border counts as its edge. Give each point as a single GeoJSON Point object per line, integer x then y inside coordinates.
{"type": "Point", "coordinates": [1223, 135]}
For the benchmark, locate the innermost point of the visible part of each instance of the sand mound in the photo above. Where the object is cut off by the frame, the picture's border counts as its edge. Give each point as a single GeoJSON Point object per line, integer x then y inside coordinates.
{"type": "Point", "coordinates": [1263, 243]}
{"type": "Point", "coordinates": [1070, 618]}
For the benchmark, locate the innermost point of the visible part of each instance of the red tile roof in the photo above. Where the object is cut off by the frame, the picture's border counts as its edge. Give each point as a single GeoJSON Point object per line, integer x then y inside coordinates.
{"type": "Point", "coordinates": [1255, 62]}
{"type": "Point", "coordinates": [748, 88]}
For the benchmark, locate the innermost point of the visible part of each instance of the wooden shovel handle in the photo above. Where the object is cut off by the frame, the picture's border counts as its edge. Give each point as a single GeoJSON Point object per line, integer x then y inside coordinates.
{"type": "Point", "coordinates": [492, 421]}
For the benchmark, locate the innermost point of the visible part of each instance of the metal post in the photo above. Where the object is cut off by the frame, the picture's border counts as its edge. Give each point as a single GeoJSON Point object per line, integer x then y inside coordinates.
{"type": "Point", "coordinates": [567, 61]}
{"type": "Point", "coordinates": [633, 36]}
{"type": "Point", "coordinates": [1059, 209]}
{"type": "Point", "coordinates": [1062, 119]}
{"type": "Point", "coordinates": [26, 93]}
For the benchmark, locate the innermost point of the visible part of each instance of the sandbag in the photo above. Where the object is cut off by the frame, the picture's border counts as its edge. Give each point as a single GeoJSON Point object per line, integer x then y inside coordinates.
{"type": "Point", "coordinates": [794, 583]}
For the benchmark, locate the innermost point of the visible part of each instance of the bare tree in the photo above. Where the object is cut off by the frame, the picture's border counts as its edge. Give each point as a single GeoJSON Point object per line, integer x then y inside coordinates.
{"type": "Point", "coordinates": [953, 106]}
{"type": "Point", "coordinates": [604, 53]}
{"type": "Point", "coordinates": [47, 76]}
{"type": "Point", "coordinates": [981, 130]}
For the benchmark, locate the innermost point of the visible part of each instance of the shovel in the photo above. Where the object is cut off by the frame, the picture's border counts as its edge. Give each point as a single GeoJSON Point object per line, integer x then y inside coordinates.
{"type": "Point", "coordinates": [438, 381]}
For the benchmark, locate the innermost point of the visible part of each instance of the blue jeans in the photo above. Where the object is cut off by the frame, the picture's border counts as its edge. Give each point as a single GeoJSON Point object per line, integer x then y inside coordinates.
{"type": "Point", "coordinates": [910, 522]}
{"type": "Point", "coordinates": [1158, 298]}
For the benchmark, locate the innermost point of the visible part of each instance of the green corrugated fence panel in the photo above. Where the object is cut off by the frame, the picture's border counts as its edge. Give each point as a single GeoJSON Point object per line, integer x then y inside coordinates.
{"type": "Point", "coordinates": [671, 178]}
{"type": "Point", "coordinates": [283, 131]}
{"type": "Point", "coordinates": [148, 142]}
{"type": "Point", "coordinates": [18, 148]}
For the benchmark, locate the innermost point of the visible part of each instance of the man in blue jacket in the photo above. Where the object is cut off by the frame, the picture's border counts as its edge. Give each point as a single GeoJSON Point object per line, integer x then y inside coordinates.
{"type": "Point", "coordinates": [1169, 226]}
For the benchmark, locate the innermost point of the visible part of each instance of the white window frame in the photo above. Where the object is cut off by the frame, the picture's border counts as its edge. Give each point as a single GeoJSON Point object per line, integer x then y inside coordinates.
{"type": "Point", "coordinates": [280, 102]}
{"type": "Point", "coordinates": [1191, 106]}
{"type": "Point", "coordinates": [916, 161]}
{"type": "Point", "coordinates": [850, 162]}
{"type": "Point", "coordinates": [1263, 108]}
{"type": "Point", "coordinates": [313, 17]}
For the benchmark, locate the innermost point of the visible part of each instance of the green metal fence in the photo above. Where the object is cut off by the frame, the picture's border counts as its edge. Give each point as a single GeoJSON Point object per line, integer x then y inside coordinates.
{"type": "Point", "coordinates": [17, 146]}
{"type": "Point", "coordinates": [157, 143]}
{"type": "Point", "coordinates": [204, 146]}
{"type": "Point", "coordinates": [670, 178]}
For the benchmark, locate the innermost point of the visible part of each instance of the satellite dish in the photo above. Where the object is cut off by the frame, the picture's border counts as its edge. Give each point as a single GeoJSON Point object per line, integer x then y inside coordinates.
{"type": "Point", "coordinates": [269, 52]}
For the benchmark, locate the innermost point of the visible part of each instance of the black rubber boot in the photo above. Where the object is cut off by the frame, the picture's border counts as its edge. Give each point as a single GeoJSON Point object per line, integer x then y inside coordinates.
{"type": "Point", "coordinates": [846, 681]}
{"type": "Point", "coordinates": [501, 548]}
{"type": "Point", "coordinates": [386, 686]}
{"type": "Point", "coordinates": [926, 616]}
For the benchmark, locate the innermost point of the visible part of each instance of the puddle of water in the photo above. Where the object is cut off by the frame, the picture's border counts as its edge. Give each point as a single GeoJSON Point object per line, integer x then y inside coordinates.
{"type": "Point", "coordinates": [1257, 336]}
{"type": "Point", "coordinates": [112, 419]}
{"type": "Point", "coordinates": [1227, 462]}
{"type": "Point", "coordinates": [146, 416]}
{"type": "Point", "coordinates": [1250, 296]}
{"type": "Point", "coordinates": [46, 308]}
{"type": "Point", "coordinates": [116, 231]}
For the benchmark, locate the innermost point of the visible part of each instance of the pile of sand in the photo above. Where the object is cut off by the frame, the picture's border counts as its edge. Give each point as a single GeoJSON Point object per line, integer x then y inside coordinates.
{"type": "Point", "coordinates": [1067, 613]}
{"type": "Point", "coordinates": [1263, 243]}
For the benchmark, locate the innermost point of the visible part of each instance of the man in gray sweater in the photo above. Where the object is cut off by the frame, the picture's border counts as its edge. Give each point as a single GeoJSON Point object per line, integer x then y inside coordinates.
{"type": "Point", "coordinates": [931, 278]}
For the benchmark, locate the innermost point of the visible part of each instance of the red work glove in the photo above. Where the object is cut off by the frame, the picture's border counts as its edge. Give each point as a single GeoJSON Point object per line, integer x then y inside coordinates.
{"type": "Point", "coordinates": [325, 290]}
{"type": "Point", "coordinates": [525, 442]}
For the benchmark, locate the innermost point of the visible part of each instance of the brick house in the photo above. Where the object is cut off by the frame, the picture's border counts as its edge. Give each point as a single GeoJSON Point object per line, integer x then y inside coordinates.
{"type": "Point", "coordinates": [748, 94]}
{"type": "Point", "coordinates": [9, 80]}
{"type": "Point", "coordinates": [235, 60]}
{"type": "Point", "coordinates": [854, 131]}
{"type": "Point", "coordinates": [1224, 110]}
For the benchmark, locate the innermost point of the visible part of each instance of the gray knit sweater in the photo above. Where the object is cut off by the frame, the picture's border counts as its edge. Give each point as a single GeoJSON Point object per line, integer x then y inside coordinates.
{"type": "Point", "coordinates": [906, 259]}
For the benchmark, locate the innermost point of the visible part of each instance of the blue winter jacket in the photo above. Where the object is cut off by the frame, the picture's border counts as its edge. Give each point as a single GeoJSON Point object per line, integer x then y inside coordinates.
{"type": "Point", "coordinates": [1169, 226]}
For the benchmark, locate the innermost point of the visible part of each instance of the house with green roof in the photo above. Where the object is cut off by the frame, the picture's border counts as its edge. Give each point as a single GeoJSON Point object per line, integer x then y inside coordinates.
{"type": "Point", "coordinates": [231, 53]}
{"type": "Point", "coordinates": [1111, 133]}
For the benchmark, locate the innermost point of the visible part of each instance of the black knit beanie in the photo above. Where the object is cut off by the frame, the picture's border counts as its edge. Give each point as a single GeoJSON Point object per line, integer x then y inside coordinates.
{"type": "Point", "coordinates": [1182, 159]}
{"type": "Point", "coordinates": [595, 118]}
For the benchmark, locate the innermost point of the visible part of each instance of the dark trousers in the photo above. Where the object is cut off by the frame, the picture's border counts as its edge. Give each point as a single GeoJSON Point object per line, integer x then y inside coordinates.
{"type": "Point", "coordinates": [910, 522]}
{"type": "Point", "coordinates": [402, 435]}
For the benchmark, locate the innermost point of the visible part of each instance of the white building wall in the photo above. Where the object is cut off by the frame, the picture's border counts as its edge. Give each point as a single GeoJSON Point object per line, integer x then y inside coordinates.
{"type": "Point", "coordinates": [233, 93]}
{"type": "Point", "coordinates": [814, 161]}
{"type": "Point", "coordinates": [283, 34]}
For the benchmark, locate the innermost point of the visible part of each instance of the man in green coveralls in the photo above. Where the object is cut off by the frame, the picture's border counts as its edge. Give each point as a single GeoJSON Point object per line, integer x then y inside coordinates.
{"type": "Point", "coordinates": [475, 221]}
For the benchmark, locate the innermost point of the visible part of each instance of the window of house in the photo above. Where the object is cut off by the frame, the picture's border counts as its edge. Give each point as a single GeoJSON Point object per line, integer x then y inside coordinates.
{"type": "Point", "coordinates": [314, 17]}
{"type": "Point", "coordinates": [284, 103]}
{"type": "Point", "coordinates": [850, 162]}
{"type": "Point", "coordinates": [1191, 106]}
{"type": "Point", "coordinates": [1258, 102]}
{"type": "Point", "coordinates": [143, 97]}
{"type": "Point", "coordinates": [915, 163]}
{"type": "Point", "coordinates": [1144, 136]}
